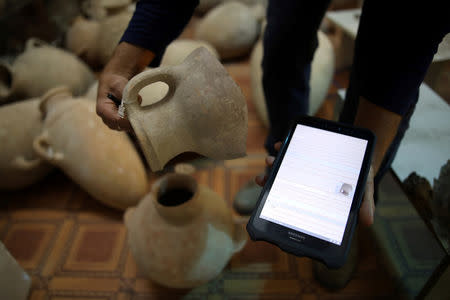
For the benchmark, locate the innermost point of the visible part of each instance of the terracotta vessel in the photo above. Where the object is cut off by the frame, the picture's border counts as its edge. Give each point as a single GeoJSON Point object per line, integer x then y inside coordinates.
{"type": "Point", "coordinates": [20, 123]}
{"type": "Point", "coordinates": [204, 111]}
{"type": "Point", "coordinates": [182, 234]}
{"type": "Point", "coordinates": [321, 75]}
{"type": "Point", "coordinates": [95, 41]}
{"type": "Point", "coordinates": [178, 50]}
{"type": "Point", "coordinates": [41, 67]}
{"type": "Point", "coordinates": [102, 161]}
{"type": "Point", "coordinates": [100, 9]}
{"type": "Point", "coordinates": [15, 283]}
{"type": "Point", "coordinates": [232, 28]}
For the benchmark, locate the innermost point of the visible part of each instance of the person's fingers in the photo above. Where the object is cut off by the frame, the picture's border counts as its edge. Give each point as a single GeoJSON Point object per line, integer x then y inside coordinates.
{"type": "Point", "coordinates": [270, 160]}
{"type": "Point", "coordinates": [367, 209]}
{"type": "Point", "coordinates": [277, 146]}
{"type": "Point", "coordinates": [108, 111]}
{"type": "Point", "coordinates": [261, 179]}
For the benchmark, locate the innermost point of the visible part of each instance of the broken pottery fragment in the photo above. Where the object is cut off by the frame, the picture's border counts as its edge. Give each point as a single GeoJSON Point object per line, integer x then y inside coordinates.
{"type": "Point", "coordinates": [102, 161]}
{"type": "Point", "coordinates": [182, 234]}
{"type": "Point", "coordinates": [440, 204]}
{"type": "Point", "coordinates": [322, 69]}
{"type": "Point", "coordinates": [232, 28]}
{"type": "Point", "coordinates": [178, 50]}
{"type": "Point", "coordinates": [94, 41]}
{"type": "Point", "coordinates": [20, 123]}
{"type": "Point", "coordinates": [41, 67]}
{"type": "Point", "coordinates": [204, 111]}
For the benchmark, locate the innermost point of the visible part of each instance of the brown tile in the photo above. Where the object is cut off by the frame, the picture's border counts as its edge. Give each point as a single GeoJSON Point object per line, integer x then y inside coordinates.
{"type": "Point", "coordinates": [279, 287]}
{"type": "Point", "coordinates": [96, 247]}
{"type": "Point", "coordinates": [27, 242]}
{"type": "Point", "coordinates": [38, 295]}
{"type": "Point", "coordinates": [84, 284]}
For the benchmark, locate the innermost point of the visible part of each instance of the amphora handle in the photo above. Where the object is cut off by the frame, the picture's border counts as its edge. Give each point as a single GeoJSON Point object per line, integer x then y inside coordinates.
{"type": "Point", "coordinates": [138, 82]}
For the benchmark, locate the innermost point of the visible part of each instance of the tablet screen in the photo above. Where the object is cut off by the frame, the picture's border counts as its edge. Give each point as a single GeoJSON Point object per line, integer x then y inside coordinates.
{"type": "Point", "coordinates": [314, 187]}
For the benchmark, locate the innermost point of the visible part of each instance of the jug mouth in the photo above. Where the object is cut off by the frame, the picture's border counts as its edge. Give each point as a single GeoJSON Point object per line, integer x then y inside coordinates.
{"type": "Point", "coordinates": [176, 190]}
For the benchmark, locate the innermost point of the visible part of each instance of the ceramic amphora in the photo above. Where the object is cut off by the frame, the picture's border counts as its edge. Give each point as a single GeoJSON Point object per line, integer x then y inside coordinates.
{"type": "Point", "coordinates": [232, 28]}
{"type": "Point", "coordinates": [94, 41]}
{"type": "Point", "coordinates": [322, 69]}
{"type": "Point", "coordinates": [20, 123]}
{"type": "Point", "coordinates": [178, 50]}
{"type": "Point", "coordinates": [102, 161]}
{"type": "Point", "coordinates": [100, 9]}
{"type": "Point", "coordinates": [41, 67]}
{"type": "Point", "coordinates": [182, 234]}
{"type": "Point", "coordinates": [203, 111]}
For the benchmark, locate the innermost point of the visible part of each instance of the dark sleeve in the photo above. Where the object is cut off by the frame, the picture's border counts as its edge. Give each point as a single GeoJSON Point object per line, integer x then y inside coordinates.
{"type": "Point", "coordinates": [156, 23]}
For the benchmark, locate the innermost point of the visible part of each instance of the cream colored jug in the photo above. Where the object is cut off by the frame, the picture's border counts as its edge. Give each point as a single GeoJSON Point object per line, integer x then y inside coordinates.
{"type": "Point", "coordinates": [20, 166]}
{"type": "Point", "coordinates": [102, 161]}
{"type": "Point", "coordinates": [204, 111]}
{"type": "Point", "coordinates": [41, 67]}
{"type": "Point", "coordinates": [183, 234]}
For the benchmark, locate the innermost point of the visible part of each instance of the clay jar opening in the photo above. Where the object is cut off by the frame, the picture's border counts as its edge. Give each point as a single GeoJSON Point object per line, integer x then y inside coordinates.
{"type": "Point", "coordinates": [176, 190]}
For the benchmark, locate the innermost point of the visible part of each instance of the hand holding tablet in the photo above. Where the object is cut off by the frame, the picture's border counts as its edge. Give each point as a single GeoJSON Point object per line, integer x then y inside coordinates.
{"type": "Point", "coordinates": [310, 203]}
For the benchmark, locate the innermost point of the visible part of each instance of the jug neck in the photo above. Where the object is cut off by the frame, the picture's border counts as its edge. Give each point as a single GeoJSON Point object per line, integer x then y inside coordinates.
{"type": "Point", "coordinates": [176, 198]}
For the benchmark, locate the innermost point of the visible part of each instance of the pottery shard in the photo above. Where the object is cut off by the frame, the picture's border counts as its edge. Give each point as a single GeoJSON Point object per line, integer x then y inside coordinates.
{"type": "Point", "coordinates": [20, 123]}
{"type": "Point", "coordinates": [41, 67]}
{"type": "Point", "coordinates": [95, 41]}
{"type": "Point", "coordinates": [204, 111]}
{"type": "Point", "coordinates": [322, 69]}
{"type": "Point", "coordinates": [187, 243]}
{"type": "Point", "coordinates": [102, 161]}
{"type": "Point", "coordinates": [232, 28]}
{"type": "Point", "coordinates": [178, 50]}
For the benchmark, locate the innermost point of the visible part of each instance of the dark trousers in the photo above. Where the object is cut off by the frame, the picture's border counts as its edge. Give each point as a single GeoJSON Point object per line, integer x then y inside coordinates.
{"type": "Point", "coordinates": [393, 50]}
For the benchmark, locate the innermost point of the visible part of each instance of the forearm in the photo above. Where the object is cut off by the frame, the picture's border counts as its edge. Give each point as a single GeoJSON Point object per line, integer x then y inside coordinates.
{"type": "Point", "coordinates": [128, 60]}
{"type": "Point", "coordinates": [382, 122]}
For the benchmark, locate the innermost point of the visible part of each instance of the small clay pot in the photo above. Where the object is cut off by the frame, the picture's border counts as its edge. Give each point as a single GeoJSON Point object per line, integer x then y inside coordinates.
{"type": "Point", "coordinates": [41, 67]}
{"type": "Point", "coordinates": [20, 123]}
{"type": "Point", "coordinates": [95, 41]}
{"type": "Point", "coordinates": [182, 234]}
{"type": "Point", "coordinates": [322, 69]}
{"type": "Point", "coordinates": [102, 161]}
{"type": "Point", "coordinates": [178, 50]}
{"type": "Point", "coordinates": [232, 28]}
{"type": "Point", "coordinates": [204, 111]}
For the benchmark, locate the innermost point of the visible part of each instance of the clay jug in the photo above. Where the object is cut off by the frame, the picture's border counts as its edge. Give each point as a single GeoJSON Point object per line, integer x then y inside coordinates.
{"type": "Point", "coordinates": [182, 234]}
{"type": "Point", "coordinates": [204, 111]}
{"type": "Point", "coordinates": [232, 28]}
{"type": "Point", "coordinates": [102, 161]}
{"type": "Point", "coordinates": [322, 69]}
{"type": "Point", "coordinates": [178, 50]}
{"type": "Point", "coordinates": [95, 41]}
{"type": "Point", "coordinates": [100, 9]}
{"type": "Point", "coordinates": [41, 67]}
{"type": "Point", "coordinates": [20, 123]}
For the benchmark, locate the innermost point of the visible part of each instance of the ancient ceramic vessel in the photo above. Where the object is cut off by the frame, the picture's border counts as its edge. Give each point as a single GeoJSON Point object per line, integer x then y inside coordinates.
{"type": "Point", "coordinates": [15, 283]}
{"type": "Point", "coordinates": [100, 9]}
{"type": "Point", "coordinates": [322, 69]}
{"type": "Point", "coordinates": [178, 50]}
{"type": "Point", "coordinates": [102, 161]}
{"type": "Point", "coordinates": [95, 41]}
{"type": "Point", "coordinates": [20, 123]}
{"type": "Point", "coordinates": [182, 234]}
{"type": "Point", "coordinates": [41, 67]}
{"type": "Point", "coordinates": [232, 28]}
{"type": "Point", "coordinates": [204, 111]}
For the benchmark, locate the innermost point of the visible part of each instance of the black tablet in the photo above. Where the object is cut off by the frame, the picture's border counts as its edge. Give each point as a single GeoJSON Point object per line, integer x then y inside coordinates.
{"type": "Point", "coordinates": [309, 205]}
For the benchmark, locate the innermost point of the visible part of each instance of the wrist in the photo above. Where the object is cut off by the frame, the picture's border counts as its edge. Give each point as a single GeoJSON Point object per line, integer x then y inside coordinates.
{"type": "Point", "coordinates": [128, 60]}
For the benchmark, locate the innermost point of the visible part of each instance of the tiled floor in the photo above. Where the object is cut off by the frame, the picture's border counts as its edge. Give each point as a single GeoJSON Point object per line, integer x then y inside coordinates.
{"type": "Point", "coordinates": [75, 248]}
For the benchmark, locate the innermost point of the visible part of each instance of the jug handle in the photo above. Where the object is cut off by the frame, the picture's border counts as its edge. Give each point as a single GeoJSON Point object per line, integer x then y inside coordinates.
{"type": "Point", "coordinates": [138, 82]}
